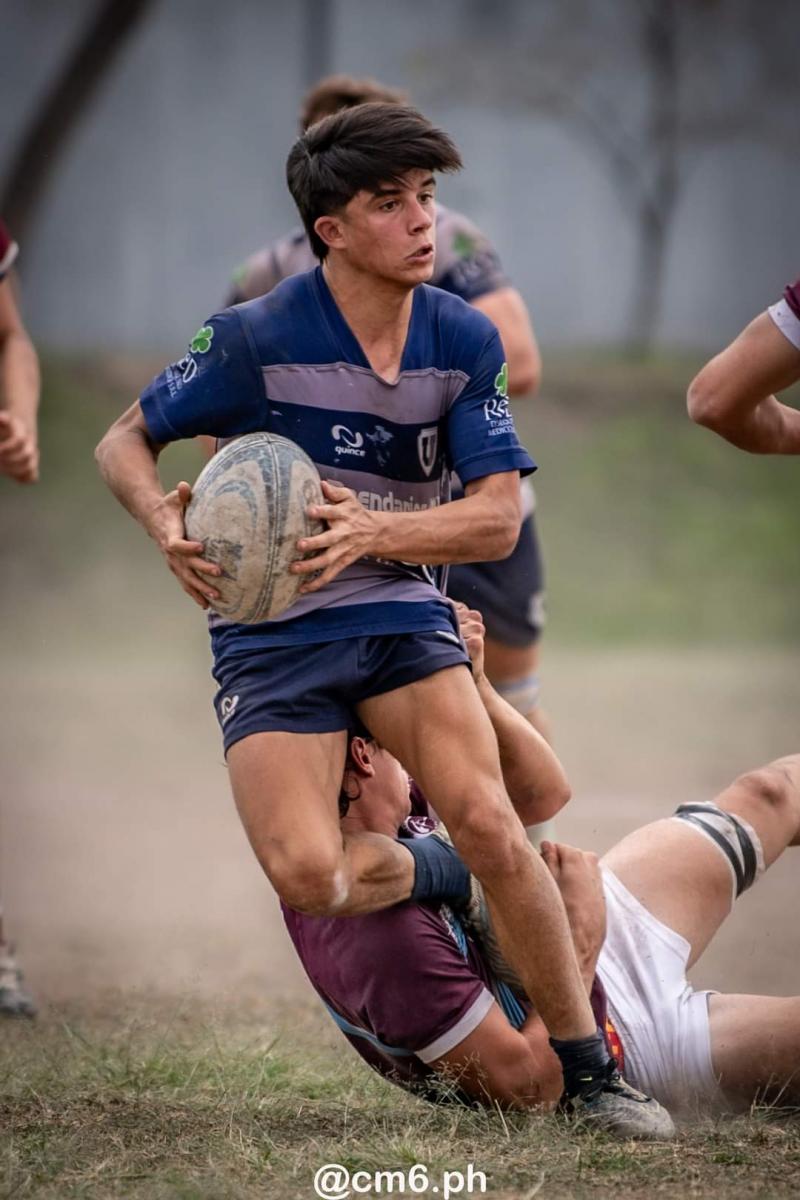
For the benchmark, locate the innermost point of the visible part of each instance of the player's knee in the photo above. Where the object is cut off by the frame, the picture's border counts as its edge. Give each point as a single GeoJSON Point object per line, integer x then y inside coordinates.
{"type": "Point", "coordinates": [312, 884]}
{"type": "Point", "coordinates": [488, 834]}
{"type": "Point", "coordinates": [767, 787]}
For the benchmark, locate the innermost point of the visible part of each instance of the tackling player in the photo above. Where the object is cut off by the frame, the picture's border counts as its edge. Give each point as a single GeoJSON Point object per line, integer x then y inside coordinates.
{"type": "Point", "coordinates": [19, 460]}
{"type": "Point", "coordinates": [510, 593]}
{"type": "Point", "coordinates": [388, 385]}
{"type": "Point", "coordinates": [421, 993]}
{"type": "Point", "coordinates": [734, 394]}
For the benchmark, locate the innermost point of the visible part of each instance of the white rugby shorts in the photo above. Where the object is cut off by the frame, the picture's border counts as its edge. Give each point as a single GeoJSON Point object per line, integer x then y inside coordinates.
{"type": "Point", "coordinates": [661, 1020]}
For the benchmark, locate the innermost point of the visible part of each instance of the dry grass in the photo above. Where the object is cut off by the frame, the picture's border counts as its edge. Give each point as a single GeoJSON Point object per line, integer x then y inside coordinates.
{"type": "Point", "coordinates": [163, 1103]}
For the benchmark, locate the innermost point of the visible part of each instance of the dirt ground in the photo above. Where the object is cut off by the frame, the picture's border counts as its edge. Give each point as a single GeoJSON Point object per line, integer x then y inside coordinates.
{"type": "Point", "coordinates": [123, 863]}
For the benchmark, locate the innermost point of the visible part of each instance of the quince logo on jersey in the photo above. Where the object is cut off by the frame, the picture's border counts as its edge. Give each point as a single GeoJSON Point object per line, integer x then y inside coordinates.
{"type": "Point", "coordinates": [347, 442]}
{"type": "Point", "coordinates": [201, 342]}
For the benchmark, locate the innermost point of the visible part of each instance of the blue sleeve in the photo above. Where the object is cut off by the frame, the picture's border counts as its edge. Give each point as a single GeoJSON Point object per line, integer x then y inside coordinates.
{"type": "Point", "coordinates": [481, 436]}
{"type": "Point", "coordinates": [216, 388]}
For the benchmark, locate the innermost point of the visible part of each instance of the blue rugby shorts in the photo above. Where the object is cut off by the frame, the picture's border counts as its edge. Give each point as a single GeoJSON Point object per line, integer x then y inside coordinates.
{"type": "Point", "coordinates": [315, 688]}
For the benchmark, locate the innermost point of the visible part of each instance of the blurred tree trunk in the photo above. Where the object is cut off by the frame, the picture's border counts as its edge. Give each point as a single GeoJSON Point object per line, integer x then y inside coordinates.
{"type": "Point", "coordinates": [59, 114]}
{"type": "Point", "coordinates": [658, 187]}
{"type": "Point", "coordinates": [318, 40]}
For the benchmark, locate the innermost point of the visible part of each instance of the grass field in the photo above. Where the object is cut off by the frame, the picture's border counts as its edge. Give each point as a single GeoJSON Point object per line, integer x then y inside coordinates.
{"type": "Point", "coordinates": [179, 1053]}
{"type": "Point", "coordinates": [169, 1103]}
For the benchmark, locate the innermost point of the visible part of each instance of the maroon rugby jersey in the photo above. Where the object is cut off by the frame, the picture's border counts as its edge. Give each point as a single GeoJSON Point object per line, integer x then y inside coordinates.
{"type": "Point", "coordinates": [8, 250]}
{"type": "Point", "coordinates": [407, 984]}
{"type": "Point", "coordinates": [791, 295]}
{"type": "Point", "coordinates": [785, 313]}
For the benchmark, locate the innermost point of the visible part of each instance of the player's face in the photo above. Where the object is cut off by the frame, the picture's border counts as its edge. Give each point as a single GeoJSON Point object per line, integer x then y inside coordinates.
{"type": "Point", "coordinates": [390, 233]}
{"type": "Point", "coordinates": [390, 787]}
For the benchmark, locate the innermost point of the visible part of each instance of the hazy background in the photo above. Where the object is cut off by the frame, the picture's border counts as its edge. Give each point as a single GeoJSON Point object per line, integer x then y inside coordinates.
{"type": "Point", "coordinates": [620, 173]}
{"type": "Point", "coordinates": [581, 123]}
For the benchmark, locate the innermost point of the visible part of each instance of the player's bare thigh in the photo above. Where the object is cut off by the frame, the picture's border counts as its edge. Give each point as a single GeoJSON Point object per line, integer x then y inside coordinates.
{"type": "Point", "coordinates": [286, 787]}
{"type": "Point", "coordinates": [682, 878]}
{"type": "Point", "coordinates": [438, 728]}
{"type": "Point", "coordinates": [755, 1048]}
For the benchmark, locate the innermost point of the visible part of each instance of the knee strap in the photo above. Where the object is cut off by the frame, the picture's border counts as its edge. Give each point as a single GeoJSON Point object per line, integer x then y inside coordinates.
{"type": "Point", "coordinates": [733, 837]}
{"type": "Point", "coordinates": [521, 694]}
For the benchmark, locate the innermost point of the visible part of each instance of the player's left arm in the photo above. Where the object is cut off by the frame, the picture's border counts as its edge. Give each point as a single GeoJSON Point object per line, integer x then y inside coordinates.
{"type": "Point", "coordinates": [506, 309]}
{"type": "Point", "coordinates": [19, 393]}
{"type": "Point", "coordinates": [481, 527]}
{"type": "Point", "coordinates": [734, 394]}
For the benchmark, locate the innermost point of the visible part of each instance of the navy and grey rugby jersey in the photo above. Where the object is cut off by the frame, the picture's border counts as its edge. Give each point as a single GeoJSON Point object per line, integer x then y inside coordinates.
{"type": "Point", "coordinates": [288, 362]}
{"type": "Point", "coordinates": [466, 262]}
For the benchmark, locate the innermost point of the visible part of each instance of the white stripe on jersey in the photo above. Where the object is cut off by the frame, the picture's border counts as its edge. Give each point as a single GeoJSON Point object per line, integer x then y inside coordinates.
{"type": "Point", "coordinates": [786, 321]}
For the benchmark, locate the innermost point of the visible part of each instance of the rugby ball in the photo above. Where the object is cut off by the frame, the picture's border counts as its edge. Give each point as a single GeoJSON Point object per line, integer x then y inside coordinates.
{"type": "Point", "coordinates": [248, 508]}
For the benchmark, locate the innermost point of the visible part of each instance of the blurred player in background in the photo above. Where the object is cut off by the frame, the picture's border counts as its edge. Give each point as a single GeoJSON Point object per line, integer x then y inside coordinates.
{"type": "Point", "coordinates": [734, 394]}
{"type": "Point", "coordinates": [19, 379]}
{"type": "Point", "coordinates": [19, 460]}
{"type": "Point", "coordinates": [510, 594]}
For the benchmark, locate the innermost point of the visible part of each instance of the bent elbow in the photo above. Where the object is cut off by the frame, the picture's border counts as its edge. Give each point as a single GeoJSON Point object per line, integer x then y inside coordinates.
{"type": "Point", "coordinates": [703, 403]}
{"type": "Point", "coordinates": [560, 795]}
{"type": "Point", "coordinates": [100, 452]}
{"type": "Point", "coordinates": [503, 541]}
{"type": "Point", "coordinates": [508, 526]}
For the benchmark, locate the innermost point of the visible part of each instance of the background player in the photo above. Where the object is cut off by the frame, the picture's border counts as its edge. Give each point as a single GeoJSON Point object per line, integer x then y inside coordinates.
{"type": "Point", "coordinates": [421, 997]}
{"type": "Point", "coordinates": [19, 460]}
{"type": "Point", "coordinates": [510, 593]}
{"type": "Point", "coordinates": [417, 378]}
{"type": "Point", "coordinates": [19, 379]}
{"type": "Point", "coordinates": [734, 392]}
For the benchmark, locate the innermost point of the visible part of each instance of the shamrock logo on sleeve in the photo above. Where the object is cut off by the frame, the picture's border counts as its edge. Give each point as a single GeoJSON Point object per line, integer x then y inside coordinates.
{"type": "Point", "coordinates": [201, 342]}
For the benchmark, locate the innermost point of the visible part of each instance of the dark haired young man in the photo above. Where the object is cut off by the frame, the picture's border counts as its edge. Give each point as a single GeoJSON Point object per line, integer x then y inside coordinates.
{"type": "Point", "coordinates": [510, 594]}
{"type": "Point", "coordinates": [387, 384]}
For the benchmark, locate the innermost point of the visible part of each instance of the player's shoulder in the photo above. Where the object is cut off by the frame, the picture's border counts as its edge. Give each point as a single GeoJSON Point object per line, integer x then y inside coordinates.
{"type": "Point", "coordinates": [286, 325]}
{"type": "Point", "coordinates": [280, 306]}
{"type": "Point", "coordinates": [463, 331]}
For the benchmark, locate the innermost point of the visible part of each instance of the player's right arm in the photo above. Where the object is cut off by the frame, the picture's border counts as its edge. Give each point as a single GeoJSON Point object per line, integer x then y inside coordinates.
{"type": "Point", "coordinates": [734, 394]}
{"type": "Point", "coordinates": [216, 389]}
{"type": "Point", "coordinates": [127, 458]}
